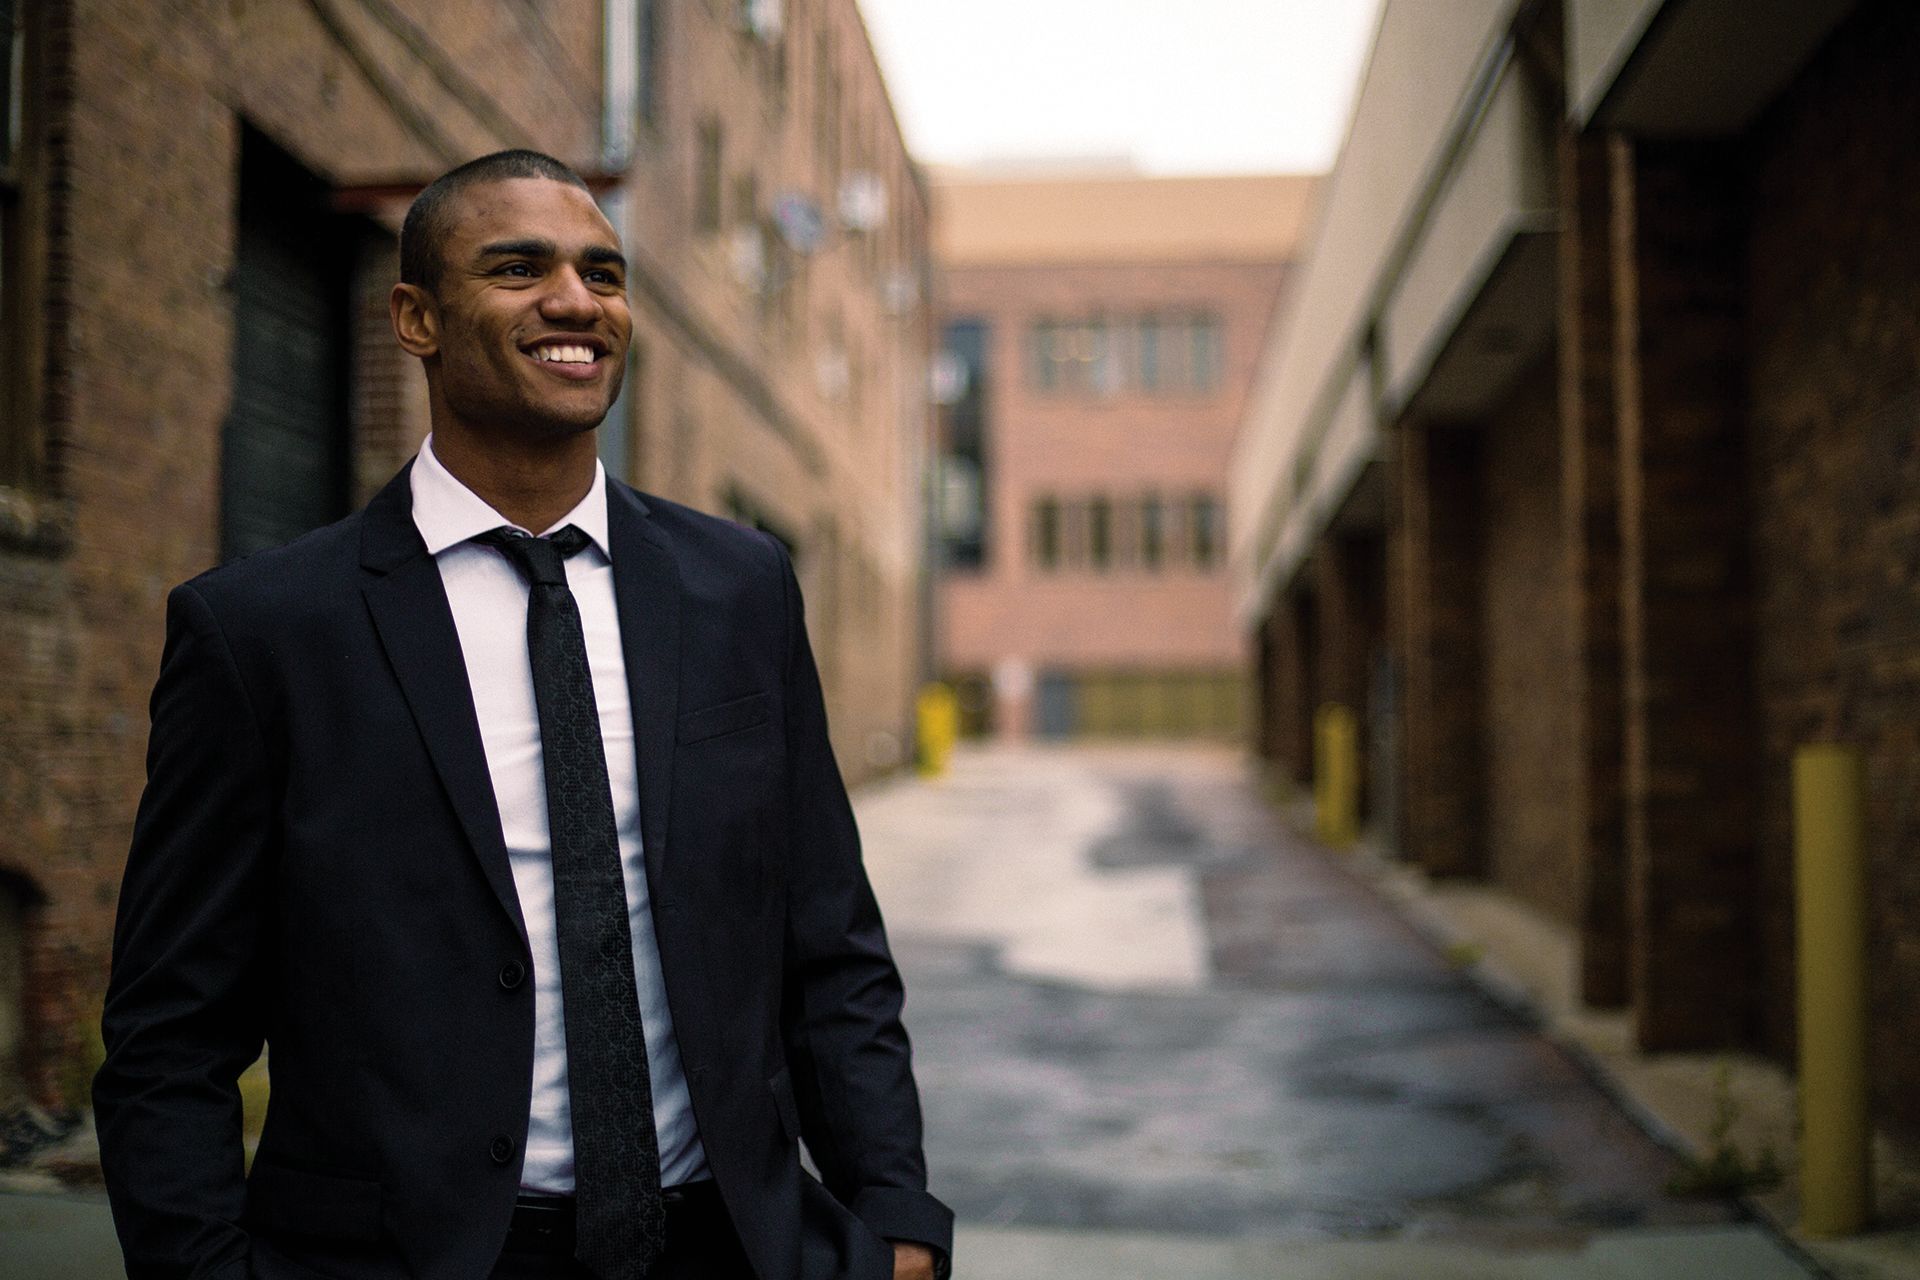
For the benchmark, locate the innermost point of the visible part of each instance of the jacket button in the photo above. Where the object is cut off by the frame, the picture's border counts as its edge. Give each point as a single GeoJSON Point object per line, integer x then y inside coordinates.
{"type": "Point", "coordinates": [512, 974]}
{"type": "Point", "coordinates": [502, 1149]}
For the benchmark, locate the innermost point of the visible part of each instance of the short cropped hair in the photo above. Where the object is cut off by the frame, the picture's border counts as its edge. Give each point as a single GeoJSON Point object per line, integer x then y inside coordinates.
{"type": "Point", "coordinates": [431, 213]}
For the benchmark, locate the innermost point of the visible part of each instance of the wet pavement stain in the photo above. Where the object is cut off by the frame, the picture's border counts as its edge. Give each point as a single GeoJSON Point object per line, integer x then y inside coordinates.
{"type": "Point", "coordinates": [1332, 1077]}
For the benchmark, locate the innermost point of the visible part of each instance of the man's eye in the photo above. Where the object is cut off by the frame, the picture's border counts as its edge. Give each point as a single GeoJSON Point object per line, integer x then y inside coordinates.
{"type": "Point", "coordinates": [520, 269]}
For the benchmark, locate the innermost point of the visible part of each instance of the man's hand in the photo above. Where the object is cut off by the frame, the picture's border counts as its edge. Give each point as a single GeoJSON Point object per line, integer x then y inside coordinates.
{"type": "Point", "coordinates": [912, 1261]}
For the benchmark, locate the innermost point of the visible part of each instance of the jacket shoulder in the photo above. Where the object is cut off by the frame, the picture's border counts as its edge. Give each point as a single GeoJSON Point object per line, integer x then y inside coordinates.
{"type": "Point", "coordinates": [285, 579]}
{"type": "Point", "coordinates": [709, 544]}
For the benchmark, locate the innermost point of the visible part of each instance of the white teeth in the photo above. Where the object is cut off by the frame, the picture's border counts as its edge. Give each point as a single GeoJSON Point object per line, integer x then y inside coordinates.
{"type": "Point", "coordinates": [564, 354]}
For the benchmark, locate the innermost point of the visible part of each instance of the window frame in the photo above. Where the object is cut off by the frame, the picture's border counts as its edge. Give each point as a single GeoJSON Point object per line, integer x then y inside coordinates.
{"type": "Point", "coordinates": [1206, 534]}
{"type": "Point", "coordinates": [1048, 533]}
{"type": "Point", "coordinates": [649, 34]}
{"type": "Point", "coordinates": [709, 179]}
{"type": "Point", "coordinates": [23, 196]}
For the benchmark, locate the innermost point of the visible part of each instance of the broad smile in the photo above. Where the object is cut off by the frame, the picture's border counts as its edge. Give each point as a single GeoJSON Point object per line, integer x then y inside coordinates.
{"type": "Point", "coordinates": [576, 357]}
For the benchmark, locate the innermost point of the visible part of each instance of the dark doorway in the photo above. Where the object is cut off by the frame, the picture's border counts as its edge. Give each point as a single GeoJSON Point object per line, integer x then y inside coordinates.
{"type": "Point", "coordinates": [285, 463]}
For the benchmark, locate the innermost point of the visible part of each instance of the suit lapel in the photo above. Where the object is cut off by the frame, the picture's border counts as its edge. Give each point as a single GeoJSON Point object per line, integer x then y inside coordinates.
{"type": "Point", "coordinates": [646, 584]}
{"type": "Point", "coordinates": [410, 612]}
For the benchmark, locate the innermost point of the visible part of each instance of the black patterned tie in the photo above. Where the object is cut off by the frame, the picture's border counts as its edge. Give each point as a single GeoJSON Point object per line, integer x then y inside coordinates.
{"type": "Point", "coordinates": [619, 1214]}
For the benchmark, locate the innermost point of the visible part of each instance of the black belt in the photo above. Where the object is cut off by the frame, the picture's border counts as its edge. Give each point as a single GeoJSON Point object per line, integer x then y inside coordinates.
{"type": "Point", "coordinates": [544, 1224]}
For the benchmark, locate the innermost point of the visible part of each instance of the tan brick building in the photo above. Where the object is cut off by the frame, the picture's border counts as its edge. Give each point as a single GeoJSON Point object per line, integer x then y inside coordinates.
{"type": "Point", "coordinates": [198, 228]}
{"type": "Point", "coordinates": [1587, 468]}
{"type": "Point", "coordinates": [1101, 334]}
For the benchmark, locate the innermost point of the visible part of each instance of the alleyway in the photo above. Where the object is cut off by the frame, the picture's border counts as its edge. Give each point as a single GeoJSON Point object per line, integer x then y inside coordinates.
{"type": "Point", "coordinates": [1159, 1037]}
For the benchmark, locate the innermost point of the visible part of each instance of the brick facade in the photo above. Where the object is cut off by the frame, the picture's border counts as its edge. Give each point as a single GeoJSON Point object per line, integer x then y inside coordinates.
{"type": "Point", "coordinates": [1434, 526]}
{"type": "Point", "coordinates": [145, 106]}
{"type": "Point", "coordinates": [1679, 213]}
{"type": "Point", "coordinates": [1833, 451]}
{"type": "Point", "coordinates": [780, 388]}
{"type": "Point", "coordinates": [1286, 686]}
{"type": "Point", "coordinates": [1590, 531]}
{"type": "Point", "coordinates": [1684, 548]}
{"type": "Point", "coordinates": [1527, 637]}
{"type": "Point", "coordinates": [149, 109]}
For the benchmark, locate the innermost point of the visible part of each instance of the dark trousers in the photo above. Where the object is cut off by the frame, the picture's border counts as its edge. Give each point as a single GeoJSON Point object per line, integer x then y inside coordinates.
{"type": "Point", "coordinates": [701, 1245]}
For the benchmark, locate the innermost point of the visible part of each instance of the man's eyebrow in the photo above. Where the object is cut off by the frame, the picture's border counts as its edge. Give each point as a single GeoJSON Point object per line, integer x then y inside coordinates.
{"type": "Point", "coordinates": [602, 254]}
{"type": "Point", "coordinates": [518, 249]}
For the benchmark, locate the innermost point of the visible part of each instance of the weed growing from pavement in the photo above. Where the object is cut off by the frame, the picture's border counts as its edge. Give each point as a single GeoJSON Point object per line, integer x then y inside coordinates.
{"type": "Point", "coordinates": [1725, 1170]}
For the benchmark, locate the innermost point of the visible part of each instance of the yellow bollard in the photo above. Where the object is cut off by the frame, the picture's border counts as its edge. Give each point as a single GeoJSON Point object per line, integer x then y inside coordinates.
{"type": "Point", "coordinates": [1336, 775]}
{"type": "Point", "coordinates": [937, 726]}
{"type": "Point", "coordinates": [1829, 813]}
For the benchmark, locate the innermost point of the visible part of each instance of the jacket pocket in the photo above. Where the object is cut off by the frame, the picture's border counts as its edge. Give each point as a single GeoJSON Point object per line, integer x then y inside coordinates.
{"type": "Point", "coordinates": [303, 1202]}
{"type": "Point", "coordinates": [722, 717]}
{"type": "Point", "coordinates": [781, 1085]}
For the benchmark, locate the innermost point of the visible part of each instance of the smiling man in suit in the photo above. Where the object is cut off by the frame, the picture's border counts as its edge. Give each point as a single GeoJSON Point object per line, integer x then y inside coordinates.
{"type": "Point", "coordinates": [503, 813]}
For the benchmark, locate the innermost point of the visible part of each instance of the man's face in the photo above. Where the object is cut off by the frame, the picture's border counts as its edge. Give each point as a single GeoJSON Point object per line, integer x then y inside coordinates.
{"type": "Point", "coordinates": [530, 314]}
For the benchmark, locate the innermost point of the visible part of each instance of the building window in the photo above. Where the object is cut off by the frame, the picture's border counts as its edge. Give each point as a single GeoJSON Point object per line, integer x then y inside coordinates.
{"type": "Point", "coordinates": [1172, 354]}
{"type": "Point", "coordinates": [649, 33]}
{"type": "Point", "coordinates": [1080, 356]}
{"type": "Point", "coordinates": [1206, 354]}
{"type": "Point", "coordinates": [964, 466]}
{"type": "Point", "coordinates": [1099, 534]}
{"type": "Point", "coordinates": [1147, 355]}
{"type": "Point", "coordinates": [19, 422]}
{"type": "Point", "coordinates": [1203, 535]}
{"type": "Point", "coordinates": [1042, 372]}
{"type": "Point", "coordinates": [826, 113]}
{"type": "Point", "coordinates": [746, 200]}
{"type": "Point", "coordinates": [1046, 533]}
{"type": "Point", "coordinates": [1153, 535]}
{"type": "Point", "coordinates": [708, 213]}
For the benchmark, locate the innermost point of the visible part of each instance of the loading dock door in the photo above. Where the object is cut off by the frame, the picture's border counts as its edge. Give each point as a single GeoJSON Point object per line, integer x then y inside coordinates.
{"type": "Point", "coordinates": [284, 463]}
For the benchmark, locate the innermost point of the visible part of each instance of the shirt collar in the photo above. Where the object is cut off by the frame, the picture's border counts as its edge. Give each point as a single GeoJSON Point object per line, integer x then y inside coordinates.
{"type": "Point", "coordinates": [447, 513]}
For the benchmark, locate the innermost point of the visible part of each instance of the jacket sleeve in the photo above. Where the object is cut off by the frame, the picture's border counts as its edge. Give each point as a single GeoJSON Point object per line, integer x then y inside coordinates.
{"type": "Point", "coordinates": [182, 1017]}
{"type": "Point", "coordinates": [848, 1053]}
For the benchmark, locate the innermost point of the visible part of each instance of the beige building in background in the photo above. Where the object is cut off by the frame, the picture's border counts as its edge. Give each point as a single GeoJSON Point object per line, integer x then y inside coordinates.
{"type": "Point", "coordinates": [1099, 337]}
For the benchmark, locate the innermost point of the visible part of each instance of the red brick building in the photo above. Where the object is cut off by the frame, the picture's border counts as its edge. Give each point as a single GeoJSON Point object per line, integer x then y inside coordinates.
{"type": "Point", "coordinates": [198, 237]}
{"type": "Point", "coordinates": [1588, 469]}
{"type": "Point", "coordinates": [1101, 335]}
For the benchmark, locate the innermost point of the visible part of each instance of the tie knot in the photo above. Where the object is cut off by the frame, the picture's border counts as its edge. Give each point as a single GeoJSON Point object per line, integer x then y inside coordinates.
{"type": "Point", "coordinates": [539, 560]}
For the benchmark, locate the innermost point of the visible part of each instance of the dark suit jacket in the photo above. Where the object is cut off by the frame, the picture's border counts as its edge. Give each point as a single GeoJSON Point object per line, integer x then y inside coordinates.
{"type": "Point", "coordinates": [318, 863]}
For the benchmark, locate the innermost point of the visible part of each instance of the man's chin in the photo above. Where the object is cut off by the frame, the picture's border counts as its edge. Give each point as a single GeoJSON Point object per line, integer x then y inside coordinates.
{"type": "Point", "coordinates": [558, 421]}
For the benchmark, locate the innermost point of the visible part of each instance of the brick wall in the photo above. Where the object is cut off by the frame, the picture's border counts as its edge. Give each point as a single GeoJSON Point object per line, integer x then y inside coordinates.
{"type": "Point", "coordinates": [1590, 532]}
{"type": "Point", "coordinates": [1300, 696]}
{"type": "Point", "coordinates": [1834, 277]}
{"type": "Point", "coordinates": [1530, 758]}
{"type": "Point", "coordinates": [148, 102]}
{"type": "Point", "coordinates": [1679, 213]}
{"type": "Point", "coordinates": [797, 400]}
{"type": "Point", "coordinates": [1434, 536]}
{"type": "Point", "coordinates": [149, 112]}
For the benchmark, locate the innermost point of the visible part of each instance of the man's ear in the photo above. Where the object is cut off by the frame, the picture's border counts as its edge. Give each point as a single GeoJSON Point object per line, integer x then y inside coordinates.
{"type": "Point", "coordinates": [416, 320]}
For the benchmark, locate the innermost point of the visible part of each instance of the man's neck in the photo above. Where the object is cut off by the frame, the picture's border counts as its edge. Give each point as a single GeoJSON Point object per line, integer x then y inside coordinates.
{"type": "Point", "coordinates": [531, 483]}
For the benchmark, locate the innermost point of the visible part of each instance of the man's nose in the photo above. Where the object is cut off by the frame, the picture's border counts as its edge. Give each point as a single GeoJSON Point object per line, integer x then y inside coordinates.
{"type": "Point", "coordinates": [567, 297]}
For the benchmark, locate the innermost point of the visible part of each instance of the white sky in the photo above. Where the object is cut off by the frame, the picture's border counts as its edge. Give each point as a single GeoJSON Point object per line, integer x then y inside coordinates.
{"type": "Point", "coordinates": [1178, 86]}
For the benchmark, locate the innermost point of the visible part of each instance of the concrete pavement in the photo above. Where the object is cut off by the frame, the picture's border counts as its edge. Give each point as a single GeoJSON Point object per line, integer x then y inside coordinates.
{"type": "Point", "coordinates": [1159, 1035]}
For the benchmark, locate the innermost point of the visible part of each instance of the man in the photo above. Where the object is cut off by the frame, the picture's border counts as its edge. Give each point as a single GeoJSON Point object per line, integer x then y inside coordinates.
{"type": "Point", "coordinates": [526, 856]}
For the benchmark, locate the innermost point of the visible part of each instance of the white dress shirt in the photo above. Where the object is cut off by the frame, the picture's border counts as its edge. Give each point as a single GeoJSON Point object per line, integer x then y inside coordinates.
{"type": "Point", "coordinates": [489, 600]}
